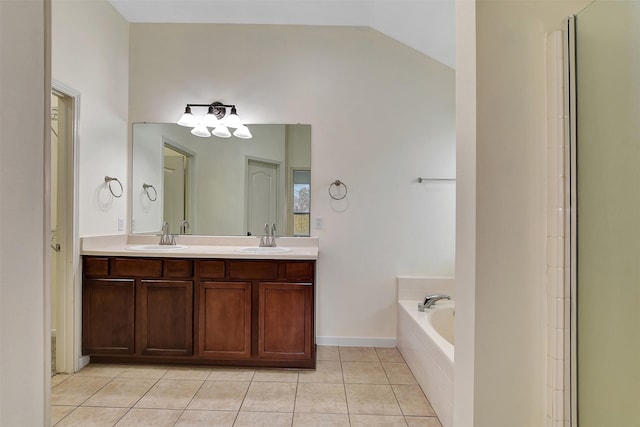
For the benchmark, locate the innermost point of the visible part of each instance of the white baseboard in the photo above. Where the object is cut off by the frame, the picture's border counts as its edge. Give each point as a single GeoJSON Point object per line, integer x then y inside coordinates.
{"type": "Point", "coordinates": [83, 361]}
{"type": "Point", "coordinates": [357, 342]}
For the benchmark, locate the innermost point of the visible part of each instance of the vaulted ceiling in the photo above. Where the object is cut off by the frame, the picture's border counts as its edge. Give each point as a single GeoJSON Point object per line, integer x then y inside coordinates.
{"type": "Point", "coordinates": [425, 25]}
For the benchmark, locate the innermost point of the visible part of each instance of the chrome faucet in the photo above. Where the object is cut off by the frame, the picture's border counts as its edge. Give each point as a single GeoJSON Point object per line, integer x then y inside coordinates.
{"type": "Point", "coordinates": [430, 300]}
{"type": "Point", "coordinates": [269, 238]}
{"type": "Point", "coordinates": [166, 238]}
{"type": "Point", "coordinates": [184, 227]}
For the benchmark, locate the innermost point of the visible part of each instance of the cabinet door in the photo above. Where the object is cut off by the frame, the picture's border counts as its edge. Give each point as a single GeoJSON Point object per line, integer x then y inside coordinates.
{"type": "Point", "coordinates": [165, 318]}
{"type": "Point", "coordinates": [225, 320]}
{"type": "Point", "coordinates": [108, 316]}
{"type": "Point", "coordinates": [285, 322]}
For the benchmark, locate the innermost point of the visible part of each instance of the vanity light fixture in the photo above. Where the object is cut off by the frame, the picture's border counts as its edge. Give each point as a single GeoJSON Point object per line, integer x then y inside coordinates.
{"type": "Point", "coordinates": [217, 119]}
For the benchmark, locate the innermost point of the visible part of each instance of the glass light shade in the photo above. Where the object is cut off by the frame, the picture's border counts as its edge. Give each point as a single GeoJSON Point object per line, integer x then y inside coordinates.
{"type": "Point", "coordinates": [232, 120]}
{"type": "Point", "coordinates": [201, 131]}
{"type": "Point", "coordinates": [187, 119]}
{"type": "Point", "coordinates": [210, 120]}
{"type": "Point", "coordinates": [243, 132]}
{"type": "Point", "coordinates": [222, 132]}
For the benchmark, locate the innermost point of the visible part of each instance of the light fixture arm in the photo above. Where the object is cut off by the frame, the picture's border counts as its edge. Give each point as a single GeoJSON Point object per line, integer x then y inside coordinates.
{"type": "Point", "coordinates": [217, 108]}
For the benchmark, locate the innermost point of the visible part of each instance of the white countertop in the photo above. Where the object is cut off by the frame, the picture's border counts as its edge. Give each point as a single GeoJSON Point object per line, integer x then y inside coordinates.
{"type": "Point", "coordinates": [305, 248]}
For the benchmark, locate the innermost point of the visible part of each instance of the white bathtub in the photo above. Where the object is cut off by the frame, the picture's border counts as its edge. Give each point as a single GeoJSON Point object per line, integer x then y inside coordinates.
{"type": "Point", "coordinates": [425, 340]}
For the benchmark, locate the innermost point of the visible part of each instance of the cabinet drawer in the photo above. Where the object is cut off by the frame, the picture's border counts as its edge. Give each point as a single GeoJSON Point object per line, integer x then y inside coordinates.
{"type": "Point", "coordinates": [299, 271]}
{"type": "Point", "coordinates": [136, 267]}
{"type": "Point", "coordinates": [178, 268]}
{"type": "Point", "coordinates": [211, 269]}
{"type": "Point", "coordinates": [95, 266]}
{"type": "Point", "coordinates": [253, 270]}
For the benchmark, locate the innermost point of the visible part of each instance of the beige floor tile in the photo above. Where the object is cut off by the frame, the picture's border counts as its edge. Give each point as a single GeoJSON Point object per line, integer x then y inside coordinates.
{"type": "Point", "coordinates": [305, 419]}
{"type": "Point", "coordinates": [195, 373]}
{"type": "Point", "coordinates": [231, 374]}
{"type": "Point", "coordinates": [149, 417]}
{"type": "Point", "coordinates": [325, 372]}
{"type": "Point", "coordinates": [98, 370]}
{"type": "Point", "coordinates": [93, 417]}
{"type": "Point", "coordinates": [121, 392]}
{"type": "Point", "coordinates": [371, 399]}
{"type": "Point", "coordinates": [399, 373]}
{"type": "Point", "coordinates": [389, 355]}
{"type": "Point", "coordinates": [378, 421]}
{"type": "Point", "coordinates": [59, 379]}
{"type": "Point", "coordinates": [191, 418]}
{"type": "Point", "coordinates": [150, 372]}
{"type": "Point", "coordinates": [170, 394]}
{"type": "Point", "coordinates": [263, 419]}
{"type": "Point", "coordinates": [75, 390]}
{"type": "Point", "coordinates": [276, 375]}
{"type": "Point", "coordinates": [358, 354]}
{"type": "Point", "coordinates": [321, 398]}
{"type": "Point", "coordinates": [423, 422]}
{"type": "Point", "coordinates": [324, 352]}
{"type": "Point", "coordinates": [270, 397]}
{"type": "Point", "coordinates": [220, 396]}
{"type": "Point", "coordinates": [59, 412]}
{"type": "Point", "coordinates": [364, 373]}
{"type": "Point", "coordinates": [413, 401]}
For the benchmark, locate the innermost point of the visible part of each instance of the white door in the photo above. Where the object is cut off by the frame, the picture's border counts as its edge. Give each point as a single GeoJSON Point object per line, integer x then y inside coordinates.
{"type": "Point", "coordinates": [262, 196]}
{"type": "Point", "coordinates": [174, 191]}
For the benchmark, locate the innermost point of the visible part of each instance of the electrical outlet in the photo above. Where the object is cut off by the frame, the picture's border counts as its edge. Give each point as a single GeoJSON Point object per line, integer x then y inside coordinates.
{"type": "Point", "coordinates": [317, 223]}
{"type": "Point", "coordinates": [120, 224]}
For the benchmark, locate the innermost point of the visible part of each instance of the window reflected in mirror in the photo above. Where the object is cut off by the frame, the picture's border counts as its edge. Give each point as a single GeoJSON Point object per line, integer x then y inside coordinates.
{"type": "Point", "coordinates": [301, 202]}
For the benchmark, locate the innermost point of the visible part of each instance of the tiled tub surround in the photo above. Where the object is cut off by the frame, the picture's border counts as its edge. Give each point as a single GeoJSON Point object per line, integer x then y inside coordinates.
{"type": "Point", "coordinates": [352, 386]}
{"type": "Point", "coordinates": [429, 355]}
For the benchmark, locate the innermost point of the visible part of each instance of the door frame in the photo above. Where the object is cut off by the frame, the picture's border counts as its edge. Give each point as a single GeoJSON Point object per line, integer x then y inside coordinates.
{"type": "Point", "coordinates": [68, 329]}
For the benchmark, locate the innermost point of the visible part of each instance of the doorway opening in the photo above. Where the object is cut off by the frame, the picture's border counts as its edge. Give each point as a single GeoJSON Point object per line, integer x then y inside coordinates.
{"type": "Point", "coordinates": [177, 196]}
{"type": "Point", "coordinates": [63, 233]}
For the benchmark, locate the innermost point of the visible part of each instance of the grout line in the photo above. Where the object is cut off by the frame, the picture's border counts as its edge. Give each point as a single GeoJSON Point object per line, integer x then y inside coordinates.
{"type": "Point", "coordinates": [250, 382]}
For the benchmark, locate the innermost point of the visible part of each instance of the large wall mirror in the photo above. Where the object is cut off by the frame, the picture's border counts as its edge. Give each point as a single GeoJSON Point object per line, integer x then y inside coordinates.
{"type": "Point", "coordinates": [221, 186]}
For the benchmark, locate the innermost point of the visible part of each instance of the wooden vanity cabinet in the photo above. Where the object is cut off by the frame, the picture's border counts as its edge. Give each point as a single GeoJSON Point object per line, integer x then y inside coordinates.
{"type": "Point", "coordinates": [225, 320]}
{"type": "Point", "coordinates": [285, 321]}
{"type": "Point", "coordinates": [199, 311]}
{"type": "Point", "coordinates": [165, 317]}
{"type": "Point", "coordinates": [108, 309]}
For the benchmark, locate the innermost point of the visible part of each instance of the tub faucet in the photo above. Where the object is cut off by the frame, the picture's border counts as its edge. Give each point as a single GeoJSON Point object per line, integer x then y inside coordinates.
{"type": "Point", "coordinates": [166, 238]}
{"type": "Point", "coordinates": [430, 300]}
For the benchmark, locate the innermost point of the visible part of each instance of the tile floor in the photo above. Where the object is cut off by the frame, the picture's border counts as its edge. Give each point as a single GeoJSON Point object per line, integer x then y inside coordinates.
{"type": "Point", "coordinates": [352, 386]}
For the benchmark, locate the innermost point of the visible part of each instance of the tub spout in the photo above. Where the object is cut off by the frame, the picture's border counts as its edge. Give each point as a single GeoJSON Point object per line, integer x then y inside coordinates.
{"type": "Point", "coordinates": [430, 300]}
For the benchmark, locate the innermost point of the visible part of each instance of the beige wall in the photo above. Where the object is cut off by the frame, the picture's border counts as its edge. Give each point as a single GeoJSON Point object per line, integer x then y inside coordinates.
{"type": "Point", "coordinates": [503, 251]}
{"type": "Point", "coordinates": [370, 129]}
{"type": "Point", "coordinates": [608, 60]}
{"type": "Point", "coordinates": [91, 56]}
{"type": "Point", "coordinates": [24, 314]}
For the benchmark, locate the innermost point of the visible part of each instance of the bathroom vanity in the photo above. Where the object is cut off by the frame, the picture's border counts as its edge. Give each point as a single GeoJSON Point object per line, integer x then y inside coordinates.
{"type": "Point", "coordinates": [203, 305]}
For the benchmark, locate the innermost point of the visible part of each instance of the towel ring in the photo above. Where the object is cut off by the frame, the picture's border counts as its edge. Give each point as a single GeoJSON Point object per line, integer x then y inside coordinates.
{"type": "Point", "coordinates": [109, 180]}
{"type": "Point", "coordinates": [146, 188]}
{"type": "Point", "coordinates": [337, 183]}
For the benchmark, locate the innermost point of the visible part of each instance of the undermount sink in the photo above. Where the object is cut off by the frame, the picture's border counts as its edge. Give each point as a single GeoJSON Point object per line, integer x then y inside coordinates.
{"type": "Point", "coordinates": [264, 249]}
{"type": "Point", "coordinates": [156, 248]}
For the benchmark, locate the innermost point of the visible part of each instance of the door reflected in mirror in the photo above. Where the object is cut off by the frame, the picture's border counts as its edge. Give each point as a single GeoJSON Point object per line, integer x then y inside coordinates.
{"type": "Point", "coordinates": [221, 186]}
